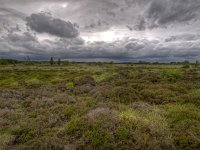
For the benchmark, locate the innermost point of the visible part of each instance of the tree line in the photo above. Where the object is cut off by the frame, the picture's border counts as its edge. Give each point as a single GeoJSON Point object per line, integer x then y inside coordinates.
{"type": "Point", "coordinates": [58, 61]}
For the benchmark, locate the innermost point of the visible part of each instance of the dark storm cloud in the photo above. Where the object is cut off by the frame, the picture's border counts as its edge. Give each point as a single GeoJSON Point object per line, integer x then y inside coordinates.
{"type": "Point", "coordinates": [134, 45]}
{"type": "Point", "coordinates": [44, 23]}
{"type": "Point", "coordinates": [26, 44]}
{"type": "Point", "coordinates": [160, 13]}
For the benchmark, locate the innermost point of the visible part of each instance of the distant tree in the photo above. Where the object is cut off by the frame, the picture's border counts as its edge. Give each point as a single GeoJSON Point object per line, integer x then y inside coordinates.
{"type": "Point", "coordinates": [143, 62]}
{"type": "Point", "coordinates": [27, 59]}
{"type": "Point", "coordinates": [173, 63]}
{"type": "Point", "coordinates": [155, 63]}
{"type": "Point", "coordinates": [99, 63]}
{"type": "Point", "coordinates": [59, 61]}
{"type": "Point", "coordinates": [8, 61]}
{"type": "Point", "coordinates": [51, 61]}
{"type": "Point", "coordinates": [186, 62]}
{"type": "Point", "coordinates": [196, 63]}
{"type": "Point", "coordinates": [66, 62]}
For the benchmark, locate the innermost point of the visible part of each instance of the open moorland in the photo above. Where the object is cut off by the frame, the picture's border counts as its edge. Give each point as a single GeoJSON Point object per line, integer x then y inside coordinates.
{"type": "Point", "coordinates": [99, 106]}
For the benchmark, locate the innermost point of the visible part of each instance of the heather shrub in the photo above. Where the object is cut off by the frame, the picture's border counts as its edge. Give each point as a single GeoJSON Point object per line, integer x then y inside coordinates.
{"type": "Point", "coordinates": [124, 95]}
{"type": "Point", "coordinates": [85, 80]}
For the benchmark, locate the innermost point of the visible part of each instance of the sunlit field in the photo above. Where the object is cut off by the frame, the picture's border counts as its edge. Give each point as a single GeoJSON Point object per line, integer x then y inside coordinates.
{"type": "Point", "coordinates": [99, 106]}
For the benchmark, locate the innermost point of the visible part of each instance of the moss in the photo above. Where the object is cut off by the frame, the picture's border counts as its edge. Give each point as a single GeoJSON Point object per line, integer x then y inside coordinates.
{"type": "Point", "coordinates": [9, 83]}
{"type": "Point", "coordinates": [70, 84]}
{"type": "Point", "coordinates": [33, 83]}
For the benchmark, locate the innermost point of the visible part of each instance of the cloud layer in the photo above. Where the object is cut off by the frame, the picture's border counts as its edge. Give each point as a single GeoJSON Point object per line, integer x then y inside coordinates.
{"type": "Point", "coordinates": [119, 30]}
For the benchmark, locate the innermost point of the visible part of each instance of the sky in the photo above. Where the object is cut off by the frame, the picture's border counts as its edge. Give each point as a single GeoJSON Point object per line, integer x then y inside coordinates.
{"type": "Point", "coordinates": [100, 30]}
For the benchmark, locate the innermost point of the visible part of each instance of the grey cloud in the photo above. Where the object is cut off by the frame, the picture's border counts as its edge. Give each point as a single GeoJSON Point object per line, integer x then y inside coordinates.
{"type": "Point", "coordinates": [44, 23]}
{"type": "Point", "coordinates": [25, 37]}
{"type": "Point", "coordinates": [183, 37]}
{"type": "Point", "coordinates": [140, 24]}
{"type": "Point", "coordinates": [19, 45]}
{"type": "Point", "coordinates": [11, 20]}
{"type": "Point", "coordinates": [110, 13]}
{"type": "Point", "coordinates": [160, 13]}
{"type": "Point", "coordinates": [94, 25]}
{"type": "Point", "coordinates": [20, 41]}
{"type": "Point", "coordinates": [129, 49]}
{"type": "Point", "coordinates": [11, 12]}
{"type": "Point", "coordinates": [134, 45]}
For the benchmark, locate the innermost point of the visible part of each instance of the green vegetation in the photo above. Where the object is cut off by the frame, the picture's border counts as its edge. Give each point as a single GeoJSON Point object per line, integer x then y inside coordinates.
{"type": "Point", "coordinates": [8, 61]}
{"type": "Point", "coordinates": [70, 85]}
{"type": "Point", "coordinates": [63, 105]}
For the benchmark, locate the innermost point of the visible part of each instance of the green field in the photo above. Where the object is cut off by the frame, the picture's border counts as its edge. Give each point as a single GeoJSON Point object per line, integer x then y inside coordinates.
{"type": "Point", "coordinates": [99, 106]}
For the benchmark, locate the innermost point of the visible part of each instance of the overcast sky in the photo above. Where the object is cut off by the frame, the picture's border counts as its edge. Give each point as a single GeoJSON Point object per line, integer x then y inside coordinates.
{"type": "Point", "coordinates": [118, 30]}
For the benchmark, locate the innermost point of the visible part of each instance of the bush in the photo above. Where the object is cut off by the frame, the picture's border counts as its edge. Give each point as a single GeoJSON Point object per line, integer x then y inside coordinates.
{"type": "Point", "coordinates": [99, 138]}
{"type": "Point", "coordinates": [158, 95]}
{"type": "Point", "coordinates": [124, 95]}
{"type": "Point", "coordinates": [85, 80]}
{"type": "Point", "coordinates": [77, 125]}
{"type": "Point", "coordinates": [33, 83]}
{"type": "Point", "coordinates": [171, 74]}
{"type": "Point", "coordinates": [186, 66]}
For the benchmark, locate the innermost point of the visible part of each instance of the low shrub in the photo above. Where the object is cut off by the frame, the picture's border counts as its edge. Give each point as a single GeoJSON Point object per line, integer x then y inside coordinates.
{"type": "Point", "coordinates": [99, 138]}
{"type": "Point", "coordinates": [124, 95]}
{"type": "Point", "coordinates": [33, 83]}
{"type": "Point", "coordinates": [85, 80]}
{"type": "Point", "coordinates": [171, 74]}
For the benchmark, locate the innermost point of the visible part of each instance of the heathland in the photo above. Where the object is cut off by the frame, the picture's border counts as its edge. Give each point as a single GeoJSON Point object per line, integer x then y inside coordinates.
{"type": "Point", "coordinates": [99, 106]}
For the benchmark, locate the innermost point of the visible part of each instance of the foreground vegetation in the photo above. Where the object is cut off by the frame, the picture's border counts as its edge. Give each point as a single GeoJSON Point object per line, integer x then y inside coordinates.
{"type": "Point", "coordinates": [99, 106]}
